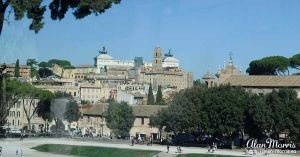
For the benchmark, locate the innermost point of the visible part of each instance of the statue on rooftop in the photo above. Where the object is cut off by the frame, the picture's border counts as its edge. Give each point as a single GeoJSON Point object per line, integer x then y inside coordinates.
{"type": "Point", "coordinates": [169, 54]}
{"type": "Point", "coordinates": [103, 51]}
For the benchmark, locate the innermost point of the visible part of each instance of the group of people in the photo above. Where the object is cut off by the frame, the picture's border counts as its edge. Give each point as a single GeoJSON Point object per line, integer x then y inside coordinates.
{"type": "Point", "coordinates": [141, 140]}
{"type": "Point", "coordinates": [179, 149]}
{"type": "Point", "coordinates": [212, 148]}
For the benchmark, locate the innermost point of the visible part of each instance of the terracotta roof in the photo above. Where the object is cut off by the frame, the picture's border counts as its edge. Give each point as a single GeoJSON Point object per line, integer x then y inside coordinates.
{"type": "Point", "coordinates": [96, 110]}
{"type": "Point", "coordinates": [263, 81]}
{"type": "Point", "coordinates": [146, 110]}
{"type": "Point", "coordinates": [138, 110]}
{"type": "Point", "coordinates": [13, 65]}
{"type": "Point", "coordinates": [89, 86]}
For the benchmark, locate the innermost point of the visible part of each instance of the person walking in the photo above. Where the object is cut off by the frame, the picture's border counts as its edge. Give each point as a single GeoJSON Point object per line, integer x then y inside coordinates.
{"type": "Point", "coordinates": [21, 136]}
{"type": "Point", "coordinates": [132, 141]}
{"type": "Point", "coordinates": [151, 141]}
{"type": "Point", "coordinates": [168, 147]}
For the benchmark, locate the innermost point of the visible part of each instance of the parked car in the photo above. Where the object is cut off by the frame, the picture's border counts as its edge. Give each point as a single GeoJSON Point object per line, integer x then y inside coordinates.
{"type": "Point", "coordinates": [14, 132]}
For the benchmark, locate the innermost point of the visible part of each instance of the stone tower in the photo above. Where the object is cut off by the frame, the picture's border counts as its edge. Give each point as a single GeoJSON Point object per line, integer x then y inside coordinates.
{"type": "Point", "coordinates": [209, 79]}
{"type": "Point", "coordinates": [157, 58]}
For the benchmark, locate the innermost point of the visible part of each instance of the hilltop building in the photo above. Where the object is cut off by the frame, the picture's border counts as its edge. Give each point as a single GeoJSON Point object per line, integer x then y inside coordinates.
{"type": "Point", "coordinates": [93, 121]}
{"type": "Point", "coordinates": [104, 62]}
{"type": "Point", "coordinates": [258, 84]}
{"type": "Point", "coordinates": [165, 72]}
{"type": "Point", "coordinates": [25, 70]}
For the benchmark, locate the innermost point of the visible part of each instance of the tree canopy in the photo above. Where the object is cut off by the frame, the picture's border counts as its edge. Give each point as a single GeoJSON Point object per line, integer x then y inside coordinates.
{"type": "Point", "coordinates": [12, 94]}
{"type": "Point", "coordinates": [285, 108]}
{"type": "Point", "coordinates": [35, 10]}
{"type": "Point", "coordinates": [150, 100]}
{"type": "Point", "coordinates": [295, 61]}
{"type": "Point", "coordinates": [72, 112]}
{"type": "Point", "coordinates": [32, 63]}
{"type": "Point", "coordinates": [273, 65]}
{"type": "Point", "coordinates": [45, 72]}
{"type": "Point", "coordinates": [159, 97]}
{"type": "Point", "coordinates": [228, 112]}
{"type": "Point", "coordinates": [17, 69]}
{"type": "Point", "coordinates": [119, 118]}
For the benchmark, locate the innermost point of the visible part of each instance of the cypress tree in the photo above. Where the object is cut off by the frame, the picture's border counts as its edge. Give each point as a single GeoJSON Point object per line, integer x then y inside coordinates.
{"type": "Point", "coordinates": [159, 96]}
{"type": "Point", "coordinates": [150, 100]}
{"type": "Point", "coordinates": [17, 69]}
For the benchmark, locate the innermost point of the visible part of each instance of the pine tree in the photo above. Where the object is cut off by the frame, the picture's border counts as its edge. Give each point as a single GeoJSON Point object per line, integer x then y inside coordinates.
{"type": "Point", "coordinates": [150, 100]}
{"type": "Point", "coordinates": [17, 69]}
{"type": "Point", "coordinates": [159, 96]}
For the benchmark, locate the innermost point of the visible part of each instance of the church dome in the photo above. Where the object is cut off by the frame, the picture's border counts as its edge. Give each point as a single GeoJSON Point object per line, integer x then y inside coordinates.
{"type": "Point", "coordinates": [105, 57]}
{"type": "Point", "coordinates": [170, 62]}
{"type": "Point", "coordinates": [171, 59]}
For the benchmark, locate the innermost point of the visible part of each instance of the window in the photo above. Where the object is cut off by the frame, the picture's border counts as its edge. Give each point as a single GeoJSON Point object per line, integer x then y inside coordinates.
{"type": "Point", "coordinates": [142, 121]}
{"type": "Point", "coordinates": [18, 113]}
{"type": "Point", "coordinates": [74, 93]}
{"type": "Point", "coordinates": [13, 122]}
{"type": "Point", "coordinates": [18, 104]}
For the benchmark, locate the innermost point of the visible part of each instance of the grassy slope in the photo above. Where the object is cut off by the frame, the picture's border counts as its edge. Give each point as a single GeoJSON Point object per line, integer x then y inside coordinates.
{"type": "Point", "coordinates": [90, 151]}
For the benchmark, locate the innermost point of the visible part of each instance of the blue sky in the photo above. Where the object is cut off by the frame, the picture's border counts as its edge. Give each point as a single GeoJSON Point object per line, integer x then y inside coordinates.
{"type": "Point", "coordinates": [201, 33]}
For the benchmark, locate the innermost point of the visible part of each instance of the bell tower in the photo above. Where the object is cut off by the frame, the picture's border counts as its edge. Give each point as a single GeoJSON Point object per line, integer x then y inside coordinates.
{"type": "Point", "coordinates": [157, 58]}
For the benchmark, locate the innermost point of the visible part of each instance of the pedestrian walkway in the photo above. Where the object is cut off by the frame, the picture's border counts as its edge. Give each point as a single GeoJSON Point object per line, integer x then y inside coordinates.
{"type": "Point", "coordinates": [9, 147]}
{"type": "Point", "coordinates": [164, 154]}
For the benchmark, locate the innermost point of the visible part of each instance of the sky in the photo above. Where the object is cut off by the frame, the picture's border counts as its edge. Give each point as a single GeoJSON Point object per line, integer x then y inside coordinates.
{"type": "Point", "coordinates": [200, 33]}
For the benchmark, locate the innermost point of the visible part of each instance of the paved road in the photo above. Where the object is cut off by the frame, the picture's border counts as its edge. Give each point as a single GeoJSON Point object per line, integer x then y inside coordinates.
{"type": "Point", "coordinates": [11, 145]}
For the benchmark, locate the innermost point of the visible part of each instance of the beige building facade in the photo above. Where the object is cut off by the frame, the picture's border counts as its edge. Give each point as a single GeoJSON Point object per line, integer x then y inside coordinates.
{"type": "Point", "coordinates": [90, 92]}
{"type": "Point", "coordinates": [160, 74]}
{"type": "Point", "coordinates": [80, 72]}
{"type": "Point", "coordinates": [59, 85]}
{"type": "Point", "coordinates": [25, 70]}
{"type": "Point", "coordinates": [93, 121]}
{"type": "Point", "coordinates": [17, 117]}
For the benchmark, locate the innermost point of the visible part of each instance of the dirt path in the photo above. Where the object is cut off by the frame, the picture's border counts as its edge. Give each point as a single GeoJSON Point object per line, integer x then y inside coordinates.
{"type": "Point", "coordinates": [10, 146]}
